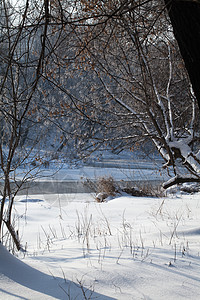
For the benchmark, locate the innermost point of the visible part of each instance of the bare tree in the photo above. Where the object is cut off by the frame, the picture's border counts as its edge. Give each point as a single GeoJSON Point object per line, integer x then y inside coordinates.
{"type": "Point", "coordinates": [32, 36]}
{"type": "Point", "coordinates": [96, 73]}
{"type": "Point", "coordinates": [23, 63]}
{"type": "Point", "coordinates": [138, 86]}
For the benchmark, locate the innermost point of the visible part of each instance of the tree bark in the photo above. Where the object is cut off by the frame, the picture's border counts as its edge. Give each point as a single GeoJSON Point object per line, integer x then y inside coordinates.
{"type": "Point", "coordinates": [185, 20]}
{"type": "Point", "coordinates": [14, 235]}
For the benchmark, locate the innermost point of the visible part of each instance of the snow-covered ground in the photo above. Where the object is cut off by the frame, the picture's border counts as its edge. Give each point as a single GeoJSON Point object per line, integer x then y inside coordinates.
{"type": "Point", "coordinates": [125, 248]}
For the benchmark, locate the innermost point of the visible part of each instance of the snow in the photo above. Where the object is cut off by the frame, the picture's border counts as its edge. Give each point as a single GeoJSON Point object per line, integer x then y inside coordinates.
{"type": "Point", "coordinates": [185, 150]}
{"type": "Point", "coordinates": [125, 248]}
{"type": "Point", "coordinates": [144, 170]}
{"type": "Point", "coordinates": [124, 166]}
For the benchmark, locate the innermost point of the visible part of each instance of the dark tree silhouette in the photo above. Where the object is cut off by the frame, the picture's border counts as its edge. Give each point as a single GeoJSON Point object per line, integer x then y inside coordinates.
{"type": "Point", "coordinates": [185, 19]}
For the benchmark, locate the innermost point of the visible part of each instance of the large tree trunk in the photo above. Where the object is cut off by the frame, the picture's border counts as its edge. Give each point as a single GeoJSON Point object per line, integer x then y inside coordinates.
{"type": "Point", "coordinates": [185, 19]}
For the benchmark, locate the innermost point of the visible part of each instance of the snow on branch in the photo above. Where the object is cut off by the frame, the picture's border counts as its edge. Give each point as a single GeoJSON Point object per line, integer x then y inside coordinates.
{"type": "Point", "coordinates": [180, 179]}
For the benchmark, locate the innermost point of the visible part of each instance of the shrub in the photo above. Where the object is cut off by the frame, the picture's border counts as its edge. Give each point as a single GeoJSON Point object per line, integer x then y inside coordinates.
{"type": "Point", "coordinates": [106, 186]}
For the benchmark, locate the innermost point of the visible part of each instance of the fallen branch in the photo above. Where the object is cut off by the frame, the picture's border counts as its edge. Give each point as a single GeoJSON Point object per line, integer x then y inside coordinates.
{"type": "Point", "coordinates": [179, 180]}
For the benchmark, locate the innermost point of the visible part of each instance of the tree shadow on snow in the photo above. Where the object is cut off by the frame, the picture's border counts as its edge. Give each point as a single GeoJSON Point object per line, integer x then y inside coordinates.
{"type": "Point", "coordinates": [48, 285]}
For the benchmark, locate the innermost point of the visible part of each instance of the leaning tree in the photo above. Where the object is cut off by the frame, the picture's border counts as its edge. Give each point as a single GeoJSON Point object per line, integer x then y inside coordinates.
{"type": "Point", "coordinates": [138, 88]}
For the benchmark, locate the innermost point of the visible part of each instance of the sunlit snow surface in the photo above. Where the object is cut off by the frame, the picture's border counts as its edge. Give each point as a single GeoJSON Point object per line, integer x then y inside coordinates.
{"type": "Point", "coordinates": [126, 248]}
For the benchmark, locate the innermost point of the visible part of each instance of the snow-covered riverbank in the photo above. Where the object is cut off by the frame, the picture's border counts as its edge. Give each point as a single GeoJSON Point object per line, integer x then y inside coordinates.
{"type": "Point", "coordinates": [126, 248]}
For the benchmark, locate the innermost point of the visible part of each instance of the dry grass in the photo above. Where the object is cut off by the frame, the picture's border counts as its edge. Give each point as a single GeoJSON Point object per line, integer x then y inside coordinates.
{"type": "Point", "coordinates": [106, 185]}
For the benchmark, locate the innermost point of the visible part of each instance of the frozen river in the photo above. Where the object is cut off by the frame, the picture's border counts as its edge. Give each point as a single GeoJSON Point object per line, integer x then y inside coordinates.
{"type": "Point", "coordinates": [71, 180]}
